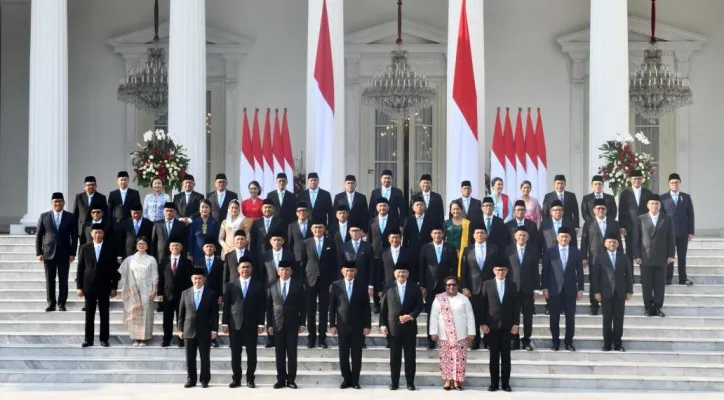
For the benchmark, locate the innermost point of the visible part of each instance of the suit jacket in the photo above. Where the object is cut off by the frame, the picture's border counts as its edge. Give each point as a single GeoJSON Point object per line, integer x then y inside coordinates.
{"type": "Point", "coordinates": [414, 238]}
{"type": "Point", "coordinates": [472, 274]}
{"type": "Point", "coordinates": [609, 281]}
{"type": "Point", "coordinates": [287, 211]}
{"type": "Point", "coordinates": [530, 227]}
{"type": "Point", "coordinates": [681, 213]}
{"type": "Point", "coordinates": [555, 279]}
{"type": "Point", "coordinates": [285, 314]}
{"type": "Point", "coordinates": [323, 269]}
{"type": "Point", "coordinates": [654, 244]}
{"type": "Point", "coordinates": [295, 239]}
{"type": "Point", "coordinates": [60, 243]}
{"type": "Point", "coordinates": [571, 217]}
{"type": "Point", "coordinates": [159, 239]}
{"type": "Point", "coordinates": [386, 269]}
{"type": "Point", "coordinates": [547, 235]}
{"type": "Point", "coordinates": [349, 315]}
{"type": "Point", "coordinates": [496, 315]}
{"type": "Point", "coordinates": [108, 232]}
{"type": "Point", "coordinates": [435, 207]}
{"type": "Point", "coordinates": [81, 210]}
{"type": "Point", "coordinates": [587, 206]}
{"type": "Point", "coordinates": [126, 235]}
{"type": "Point", "coordinates": [231, 266]}
{"type": "Point", "coordinates": [218, 211]}
{"type": "Point", "coordinates": [433, 273]}
{"type": "Point", "coordinates": [592, 240]}
{"type": "Point", "coordinates": [270, 269]}
{"type": "Point", "coordinates": [364, 261]}
{"type": "Point", "coordinates": [98, 276]}
{"type": "Point", "coordinates": [215, 278]}
{"type": "Point", "coordinates": [498, 235]}
{"type": "Point", "coordinates": [358, 213]}
{"type": "Point", "coordinates": [260, 237]}
{"type": "Point", "coordinates": [244, 312]}
{"type": "Point", "coordinates": [398, 205]}
{"type": "Point", "coordinates": [322, 209]}
{"type": "Point", "coordinates": [628, 210]}
{"type": "Point", "coordinates": [525, 275]}
{"type": "Point", "coordinates": [475, 211]}
{"type": "Point", "coordinates": [338, 237]}
{"type": "Point", "coordinates": [198, 323]}
{"type": "Point", "coordinates": [117, 209]}
{"type": "Point", "coordinates": [391, 308]}
{"type": "Point", "coordinates": [379, 238]}
{"type": "Point", "coordinates": [174, 284]}
{"type": "Point", "coordinates": [190, 209]}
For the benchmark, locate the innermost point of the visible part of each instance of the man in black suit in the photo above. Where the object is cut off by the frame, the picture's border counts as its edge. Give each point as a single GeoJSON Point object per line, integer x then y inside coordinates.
{"type": "Point", "coordinates": [571, 216]}
{"type": "Point", "coordinates": [380, 227]}
{"type": "Point", "coordinates": [131, 229]}
{"type": "Point", "coordinates": [498, 234]}
{"type": "Point", "coordinates": [175, 279]}
{"type": "Point", "coordinates": [350, 319]}
{"type": "Point", "coordinates": [632, 203]}
{"type": "Point", "coordinates": [612, 284]}
{"type": "Point", "coordinates": [231, 259]}
{"type": "Point", "coordinates": [362, 254]}
{"type": "Point", "coordinates": [214, 267]}
{"type": "Point", "coordinates": [523, 259]}
{"type": "Point", "coordinates": [188, 201]}
{"type": "Point", "coordinates": [275, 255]}
{"type": "Point", "coordinates": [680, 208]}
{"type": "Point", "coordinates": [519, 220]}
{"type": "Point", "coordinates": [98, 217]}
{"type": "Point", "coordinates": [500, 315]}
{"type": "Point", "coordinates": [318, 199]}
{"type": "Point", "coordinates": [97, 279]}
{"type": "Point", "coordinates": [471, 206]}
{"type": "Point", "coordinates": [220, 198]}
{"type": "Point", "coordinates": [394, 254]}
{"type": "Point", "coordinates": [264, 226]}
{"type": "Point", "coordinates": [654, 247]}
{"type": "Point", "coordinates": [198, 325]}
{"type": "Point", "coordinates": [395, 198]}
{"type": "Point", "coordinates": [476, 268]}
{"type": "Point", "coordinates": [438, 260]}
{"type": "Point", "coordinates": [432, 200]}
{"type": "Point", "coordinates": [562, 283]}
{"type": "Point", "coordinates": [285, 316]}
{"type": "Point", "coordinates": [339, 230]}
{"type": "Point", "coordinates": [56, 242]}
{"type": "Point", "coordinates": [400, 306]}
{"type": "Point", "coordinates": [587, 202]}
{"type": "Point", "coordinates": [243, 320]}
{"type": "Point", "coordinates": [416, 233]}
{"type": "Point", "coordinates": [164, 229]}
{"type": "Point", "coordinates": [297, 232]}
{"type": "Point", "coordinates": [284, 201]}
{"type": "Point", "coordinates": [356, 203]}
{"type": "Point", "coordinates": [122, 200]}
{"type": "Point", "coordinates": [320, 269]}
{"type": "Point", "coordinates": [592, 238]}
{"type": "Point", "coordinates": [84, 201]}
{"type": "Point", "coordinates": [548, 231]}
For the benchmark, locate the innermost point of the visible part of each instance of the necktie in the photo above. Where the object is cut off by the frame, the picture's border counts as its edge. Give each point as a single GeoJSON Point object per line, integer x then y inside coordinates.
{"type": "Point", "coordinates": [386, 193]}
{"type": "Point", "coordinates": [603, 228]}
{"type": "Point", "coordinates": [123, 198]}
{"type": "Point", "coordinates": [556, 225]}
{"type": "Point", "coordinates": [480, 257]}
{"type": "Point", "coordinates": [221, 198]}
{"type": "Point", "coordinates": [395, 255]}
{"type": "Point", "coordinates": [281, 198]}
{"type": "Point", "coordinates": [521, 223]}
{"type": "Point", "coordinates": [90, 200]}
{"type": "Point", "coordinates": [419, 224]}
{"type": "Point", "coordinates": [676, 198]}
{"type": "Point", "coordinates": [383, 224]}
{"type": "Point", "coordinates": [267, 222]}
{"type": "Point", "coordinates": [319, 247]}
{"type": "Point", "coordinates": [349, 291]}
{"type": "Point", "coordinates": [427, 200]}
{"type": "Point", "coordinates": [438, 252]}
{"type": "Point", "coordinates": [313, 195]}
{"type": "Point", "coordinates": [402, 294]}
{"type": "Point", "coordinates": [466, 203]}
{"type": "Point", "coordinates": [239, 254]}
{"type": "Point", "coordinates": [246, 287]}
{"type": "Point", "coordinates": [487, 224]}
{"type": "Point", "coordinates": [356, 247]}
{"type": "Point", "coordinates": [188, 198]}
{"type": "Point", "coordinates": [168, 228]}
{"type": "Point", "coordinates": [173, 267]}
{"type": "Point", "coordinates": [284, 292]}
{"type": "Point", "coordinates": [303, 228]}
{"type": "Point", "coordinates": [613, 259]}
{"type": "Point", "coordinates": [57, 221]}
{"type": "Point", "coordinates": [350, 200]}
{"type": "Point", "coordinates": [564, 257]}
{"type": "Point", "coordinates": [501, 291]}
{"type": "Point", "coordinates": [135, 226]}
{"type": "Point", "coordinates": [277, 257]}
{"type": "Point", "coordinates": [98, 252]}
{"type": "Point", "coordinates": [521, 253]}
{"type": "Point", "coordinates": [560, 197]}
{"type": "Point", "coordinates": [197, 298]}
{"type": "Point", "coordinates": [208, 265]}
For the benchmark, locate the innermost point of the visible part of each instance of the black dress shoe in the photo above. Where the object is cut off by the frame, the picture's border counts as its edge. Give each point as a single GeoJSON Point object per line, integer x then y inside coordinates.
{"type": "Point", "coordinates": [668, 282]}
{"type": "Point", "coordinates": [204, 384]}
{"type": "Point", "coordinates": [475, 346]}
{"type": "Point", "coordinates": [310, 344]}
{"type": "Point", "coordinates": [555, 347]}
{"type": "Point", "coordinates": [660, 313]}
{"type": "Point", "coordinates": [393, 386]}
{"type": "Point", "coordinates": [49, 308]}
{"type": "Point", "coordinates": [493, 388]}
{"type": "Point", "coordinates": [458, 388]}
{"type": "Point", "coordinates": [507, 388]}
{"type": "Point", "coordinates": [344, 385]}
{"type": "Point", "coordinates": [594, 311]}
{"type": "Point", "coordinates": [62, 308]}
{"type": "Point", "coordinates": [234, 384]}
{"type": "Point", "coordinates": [279, 385]}
{"type": "Point", "coordinates": [83, 309]}
{"type": "Point", "coordinates": [649, 312]}
{"type": "Point", "coordinates": [105, 343]}
{"type": "Point", "coordinates": [165, 344]}
{"type": "Point", "coordinates": [364, 345]}
{"type": "Point", "coordinates": [87, 344]}
{"type": "Point", "coordinates": [527, 347]}
{"type": "Point", "coordinates": [570, 347]}
{"type": "Point", "coordinates": [357, 386]}
{"type": "Point", "coordinates": [547, 313]}
{"type": "Point", "coordinates": [430, 345]}
{"type": "Point", "coordinates": [620, 348]}
{"type": "Point", "coordinates": [180, 343]}
{"type": "Point", "coordinates": [410, 387]}
{"type": "Point", "coordinates": [159, 307]}
{"type": "Point", "coordinates": [323, 344]}
{"type": "Point", "coordinates": [214, 343]}
{"type": "Point", "coordinates": [686, 282]}
{"type": "Point", "coordinates": [189, 384]}
{"type": "Point", "coordinates": [606, 348]}
{"type": "Point", "coordinates": [291, 385]}
{"type": "Point", "coordinates": [251, 385]}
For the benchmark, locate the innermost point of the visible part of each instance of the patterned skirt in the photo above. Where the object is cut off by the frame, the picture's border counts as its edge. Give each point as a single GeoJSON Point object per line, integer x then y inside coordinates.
{"type": "Point", "coordinates": [453, 359]}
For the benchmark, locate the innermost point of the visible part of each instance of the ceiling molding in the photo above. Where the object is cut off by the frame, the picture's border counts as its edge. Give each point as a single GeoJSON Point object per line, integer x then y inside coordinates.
{"type": "Point", "coordinates": [387, 29]}
{"type": "Point", "coordinates": [641, 27]}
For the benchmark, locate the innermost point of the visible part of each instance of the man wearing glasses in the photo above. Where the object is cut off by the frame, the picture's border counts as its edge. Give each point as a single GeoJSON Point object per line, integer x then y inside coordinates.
{"type": "Point", "coordinates": [84, 202]}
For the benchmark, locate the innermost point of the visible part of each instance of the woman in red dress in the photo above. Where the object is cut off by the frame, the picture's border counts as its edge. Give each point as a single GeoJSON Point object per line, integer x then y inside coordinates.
{"type": "Point", "coordinates": [251, 207]}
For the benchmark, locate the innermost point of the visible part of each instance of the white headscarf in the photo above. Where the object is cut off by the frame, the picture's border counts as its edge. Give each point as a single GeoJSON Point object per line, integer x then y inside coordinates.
{"type": "Point", "coordinates": [234, 224]}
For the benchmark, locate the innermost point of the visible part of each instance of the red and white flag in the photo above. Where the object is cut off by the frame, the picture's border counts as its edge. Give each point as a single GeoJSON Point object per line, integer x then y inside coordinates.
{"type": "Point", "coordinates": [288, 155]}
{"type": "Point", "coordinates": [511, 177]}
{"type": "Point", "coordinates": [277, 149]}
{"type": "Point", "coordinates": [519, 141]}
{"type": "Point", "coordinates": [542, 161]}
{"type": "Point", "coordinates": [246, 159]}
{"type": "Point", "coordinates": [258, 154]}
{"type": "Point", "coordinates": [269, 174]}
{"type": "Point", "coordinates": [465, 97]}
{"type": "Point", "coordinates": [531, 156]}
{"type": "Point", "coordinates": [497, 158]}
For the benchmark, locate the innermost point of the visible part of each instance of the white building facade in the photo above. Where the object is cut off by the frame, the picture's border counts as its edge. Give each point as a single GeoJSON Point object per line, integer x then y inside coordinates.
{"type": "Point", "coordinates": [537, 53]}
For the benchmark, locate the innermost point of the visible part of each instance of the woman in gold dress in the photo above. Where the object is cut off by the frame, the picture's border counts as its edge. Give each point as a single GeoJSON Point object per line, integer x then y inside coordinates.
{"type": "Point", "coordinates": [457, 230]}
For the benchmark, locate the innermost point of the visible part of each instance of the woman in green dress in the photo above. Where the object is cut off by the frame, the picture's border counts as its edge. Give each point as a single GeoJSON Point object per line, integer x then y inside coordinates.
{"type": "Point", "coordinates": [457, 230]}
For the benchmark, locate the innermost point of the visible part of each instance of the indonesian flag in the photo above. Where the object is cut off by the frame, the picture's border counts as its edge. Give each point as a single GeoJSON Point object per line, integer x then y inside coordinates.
{"type": "Point", "coordinates": [246, 160]}
{"type": "Point", "coordinates": [465, 96]}
{"type": "Point", "coordinates": [269, 178]}
{"type": "Point", "coordinates": [542, 163]}
{"type": "Point", "coordinates": [511, 177]}
{"type": "Point", "coordinates": [519, 142]}
{"type": "Point", "coordinates": [258, 155]}
{"type": "Point", "coordinates": [277, 149]}
{"type": "Point", "coordinates": [531, 156]}
{"type": "Point", "coordinates": [288, 155]}
{"type": "Point", "coordinates": [497, 158]}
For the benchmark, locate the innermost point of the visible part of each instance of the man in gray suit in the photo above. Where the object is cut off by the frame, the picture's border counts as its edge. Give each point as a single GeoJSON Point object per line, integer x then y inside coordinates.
{"type": "Point", "coordinates": [680, 208]}
{"type": "Point", "coordinates": [653, 249]}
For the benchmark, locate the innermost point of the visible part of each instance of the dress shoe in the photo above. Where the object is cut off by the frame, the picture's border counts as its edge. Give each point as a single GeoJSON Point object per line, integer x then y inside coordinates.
{"type": "Point", "coordinates": [594, 311]}
{"type": "Point", "coordinates": [204, 384]}
{"type": "Point", "coordinates": [660, 313]}
{"type": "Point", "coordinates": [234, 384]}
{"type": "Point", "coordinates": [475, 346]}
{"type": "Point", "coordinates": [446, 386]}
{"type": "Point", "coordinates": [189, 384]}
{"type": "Point", "coordinates": [87, 344]}
{"type": "Point", "coordinates": [251, 385]}
{"type": "Point", "coordinates": [291, 385]}
{"type": "Point", "coordinates": [606, 348]}
{"type": "Point", "coordinates": [323, 344]}
{"type": "Point", "coordinates": [686, 282]}
{"type": "Point", "coordinates": [668, 282]}
{"type": "Point", "coordinates": [269, 345]}
{"type": "Point", "coordinates": [411, 387]}
{"type": "Point", "coordinates": [527, 347]}
{"type": "Point", "coordinates": [430, 345]}
{"type": "Point", "coordinates": [310, 342]}
{"type": "Point", "coordinates": [570, 347]}
{"type": "Point", "coordinates": [165, 344]}
{"type": "Point", "coordinates": [393, 386]}
{"type": "Point", "coordinates": [279, 385]}
{"type": "Point", "coordinates": [547, 313]}
{"type": "Point", "coordinates": [83, 309]}
{"type": "Point", "coordinates": [493, 388]}
{"type": "Point", "coordinates": [649, 312]}
{"type": "Point", "coordinates": [50, 308]}
{"type": "Point", "coordinates": [180, 343]}
{"type": "Point", "coordinates": [357, 386]}
{"type": "Point", "coordinates": [507, 388]}
{"type": "Point", "coordinates": [214, 344]}
{"type": "Point", "coordinates": [344, 385]}
{"type": "Point", "coordinates": [364, 345]}
{"type": "Point", "coordinates": [62, 308]}
{"type": "Point", "coordinates": [459, 388]}
{"type": "Point", "coordinates": [105, 343]}
{"type": "Point", "coordinates": [159, 307]}
{"type": "Point", "coordinates": [555, 347]}
{"type": "Point", "coordinates": [620, 348]}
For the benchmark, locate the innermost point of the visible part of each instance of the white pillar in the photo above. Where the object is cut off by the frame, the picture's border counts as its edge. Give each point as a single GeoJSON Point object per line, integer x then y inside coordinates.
{"type": "Point", "coordinates": [608, 84]}
{"type": "Point", "coordinates": [48, 108]}
{"type": "Point", "coordinates": [187, 83]}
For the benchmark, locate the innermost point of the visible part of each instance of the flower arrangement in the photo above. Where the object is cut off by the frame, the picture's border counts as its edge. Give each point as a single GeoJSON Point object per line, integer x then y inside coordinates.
{"type": "Point", "coordinates": [161, 156]}
{"type": "Point", "coordinates": [621, 160]}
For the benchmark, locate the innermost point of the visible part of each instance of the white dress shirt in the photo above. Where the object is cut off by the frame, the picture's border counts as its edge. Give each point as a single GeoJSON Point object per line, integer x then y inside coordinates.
{"type": "Point", "coordinates": [654, 218]}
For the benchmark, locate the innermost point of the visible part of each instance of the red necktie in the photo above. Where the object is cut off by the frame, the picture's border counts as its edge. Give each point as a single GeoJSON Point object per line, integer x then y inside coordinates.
{"type": "Point", "coordinates": [173, 267]}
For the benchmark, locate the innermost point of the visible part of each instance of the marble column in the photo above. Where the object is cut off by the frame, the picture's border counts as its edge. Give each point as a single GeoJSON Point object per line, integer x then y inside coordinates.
{"type": "Point", "coordinates": [48, 108]}
{"type": "Point", "coordinates": [187, 83]}
{"type": "Point", "coordinates": [608, 83]}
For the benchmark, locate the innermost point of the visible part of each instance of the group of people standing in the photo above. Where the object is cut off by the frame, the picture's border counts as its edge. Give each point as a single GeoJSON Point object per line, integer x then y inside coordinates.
{"type": "Point", "coordinates": [270, 265]}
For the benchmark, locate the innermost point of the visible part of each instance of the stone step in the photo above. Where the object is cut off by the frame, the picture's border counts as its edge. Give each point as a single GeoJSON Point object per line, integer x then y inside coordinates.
{"type": "Point", "coordinates": [704, 260]}
{"type": "Point", "coordinates": [474, 379]}
{"type": "Point", "coordinates": [18, 248]}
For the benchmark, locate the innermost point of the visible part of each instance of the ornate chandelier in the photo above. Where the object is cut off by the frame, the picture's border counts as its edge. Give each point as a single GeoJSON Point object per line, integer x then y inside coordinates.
{"type": "Point", "coordinates": [147, 88]}
{"type": "Point", "coordinates": [398, 90]}
{"type": "Point", "coordinates": [655, 90]}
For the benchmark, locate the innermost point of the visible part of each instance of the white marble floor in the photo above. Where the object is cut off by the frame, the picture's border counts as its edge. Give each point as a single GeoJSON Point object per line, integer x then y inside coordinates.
{"type": "Point", "coordinates": [163, 392]}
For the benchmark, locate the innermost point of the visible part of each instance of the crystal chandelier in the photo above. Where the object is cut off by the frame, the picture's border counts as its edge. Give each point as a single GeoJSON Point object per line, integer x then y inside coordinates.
{"type": "Point", "coordinates": [398, 90]}
{"type": "Point", "coordinates": [655, 90]}
{"type": "Point", "coordinates": [147, 88]}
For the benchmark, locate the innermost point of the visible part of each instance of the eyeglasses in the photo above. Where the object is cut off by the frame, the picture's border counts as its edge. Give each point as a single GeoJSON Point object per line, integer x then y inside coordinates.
{"type": "Point", "coordinates": [451, 284]}
{"type": "Point", "coordinates": [96, 212]}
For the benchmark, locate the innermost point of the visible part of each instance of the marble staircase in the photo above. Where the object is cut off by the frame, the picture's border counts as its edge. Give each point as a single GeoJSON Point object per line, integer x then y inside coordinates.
{"type": "Point", "coordinates": [684, 351]}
